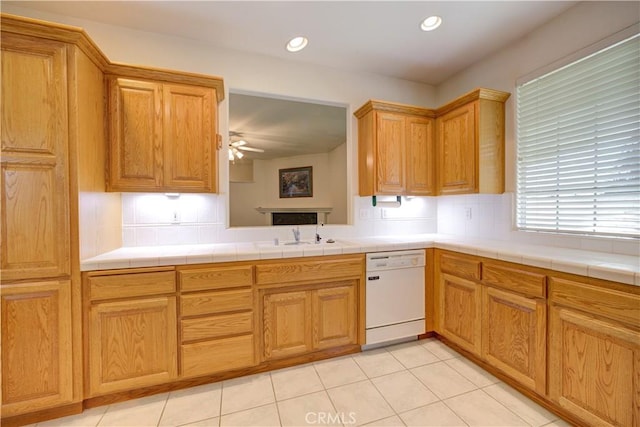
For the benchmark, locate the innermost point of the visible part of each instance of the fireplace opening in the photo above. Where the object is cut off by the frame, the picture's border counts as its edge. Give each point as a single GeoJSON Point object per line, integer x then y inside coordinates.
{"type": "Point", "coordinates": [294, 218]}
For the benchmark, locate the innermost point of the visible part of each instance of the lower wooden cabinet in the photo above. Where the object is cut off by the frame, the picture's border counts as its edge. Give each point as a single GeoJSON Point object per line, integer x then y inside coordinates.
{"type": "Point", "coordinates": [460, 312]}
{"type": "Point", "coordinates": [594, 354]}
{"type": "Point", "coordinates": [514, 336]}
{"type": "Point", "coordinates": [133, 344]}
{"type": "Point", "coordinates": [131, 335]}
{"type": "Point", "coordinates": [286, 324]}
{"type": "Point", "coordinates": [36, 346]}
{"type": "Point", "coordinates": [300, 321]}
{"type": "Point", "coordinates": [217, 327]}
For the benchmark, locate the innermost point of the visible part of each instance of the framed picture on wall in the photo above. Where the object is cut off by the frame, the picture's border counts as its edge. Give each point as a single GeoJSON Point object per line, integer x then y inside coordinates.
{"type": "Point", "coordinates": [296, 182]}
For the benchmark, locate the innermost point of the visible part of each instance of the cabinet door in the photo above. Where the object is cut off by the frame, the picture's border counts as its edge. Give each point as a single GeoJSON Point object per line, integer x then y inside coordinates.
{"type": "Point", "coordinates": [132, 344]}
{"type": "Point", "coordinates": [457, 151]}
{"type": "Point", "coordinates": [36, 346]}
{"type": "Point", "coordinates": [594, 369]}
{"type": "Point", "coordinates": [390, 153]}
{"type": "Point", "coordinates": [420, 151]}
{"type": "Point", "coordinates": [287, 324]}
{"type": "Point", "coordinates": [34, 210]}
{"type": "Point", "coordinates": [190, 151]}
{"type": "Point", "coordinates": [514, 336]}
{"type": "Point", "coordinates": [460, 312]}
{"type": "Point", "coordinates": [135, 139]}
{"type": "Point", "coordinates": [334, 316]}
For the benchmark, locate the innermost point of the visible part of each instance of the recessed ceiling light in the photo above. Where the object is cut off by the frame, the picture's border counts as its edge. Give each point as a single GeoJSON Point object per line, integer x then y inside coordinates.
{"type": "Point", "coordinates": [297, 44]}
{"type": "Point", "coordinates": [431, 23]}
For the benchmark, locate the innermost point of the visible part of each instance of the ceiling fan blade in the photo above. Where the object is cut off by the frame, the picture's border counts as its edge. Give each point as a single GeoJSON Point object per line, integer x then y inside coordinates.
{"type": "Point", "coordinates": [255, 150]}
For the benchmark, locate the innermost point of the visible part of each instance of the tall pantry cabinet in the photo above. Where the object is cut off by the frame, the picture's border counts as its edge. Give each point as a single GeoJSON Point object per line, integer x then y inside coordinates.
{"type": "Point", "coordinates": [51, 82]}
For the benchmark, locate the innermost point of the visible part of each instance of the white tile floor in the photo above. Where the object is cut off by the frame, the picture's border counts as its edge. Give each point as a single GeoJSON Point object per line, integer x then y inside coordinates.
{"type": "Point", "coordinates": [421, 383]}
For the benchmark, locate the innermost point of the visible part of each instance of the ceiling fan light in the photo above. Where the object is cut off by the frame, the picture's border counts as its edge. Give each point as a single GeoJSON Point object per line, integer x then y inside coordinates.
{"type": "Point", "coordinates": [296, 44]}
{"type": "Point", "coordinates": [231, 154]}
{"type": "Point", "coordinates": [431, 23]}
{"type": "Point", "coordinates": [239, 155]}
{"type": "Point", "coordinates": [239, 143]}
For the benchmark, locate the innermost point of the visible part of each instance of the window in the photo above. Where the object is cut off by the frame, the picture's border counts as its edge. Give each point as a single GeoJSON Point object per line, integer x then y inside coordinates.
{"type": "Point", "coordinates": [578, 154]}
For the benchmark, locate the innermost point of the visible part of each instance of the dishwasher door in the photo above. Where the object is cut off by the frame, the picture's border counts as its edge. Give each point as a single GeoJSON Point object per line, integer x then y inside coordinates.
{"type": "Point", "coordinates": [395, 296]}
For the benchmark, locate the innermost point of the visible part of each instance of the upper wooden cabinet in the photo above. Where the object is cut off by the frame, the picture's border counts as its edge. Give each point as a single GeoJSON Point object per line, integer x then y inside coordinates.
{"type": "Point", "coordinates": [455, 149]}
{"type": "Point", "coordinates": [395, 144]}
{"type": "Point", "coordinates": [470, 144]}
{"type": "Point", "coordinates": [35, 143]}
{"type": "Point", "coordinates": [163, 136]}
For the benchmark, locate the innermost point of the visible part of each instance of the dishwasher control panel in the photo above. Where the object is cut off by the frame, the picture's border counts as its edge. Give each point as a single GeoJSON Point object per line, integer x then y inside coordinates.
{"type": "Point", "coordinates": [397, 259]}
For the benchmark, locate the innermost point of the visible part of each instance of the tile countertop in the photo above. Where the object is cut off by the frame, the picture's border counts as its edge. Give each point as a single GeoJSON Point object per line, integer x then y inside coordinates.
{"type": "Point", "coordinates": [601, 265]}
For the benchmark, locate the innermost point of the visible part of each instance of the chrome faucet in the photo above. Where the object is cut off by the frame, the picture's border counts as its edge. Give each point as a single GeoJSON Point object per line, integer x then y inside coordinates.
{"type": "Point", "coordinates": [296, 234]}
{"type": "Point", "coordinates": [318, 238]}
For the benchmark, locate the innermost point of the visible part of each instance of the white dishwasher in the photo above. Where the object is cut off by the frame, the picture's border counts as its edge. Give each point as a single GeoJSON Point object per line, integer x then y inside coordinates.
{"type": "Point", "coordinates": [394, 296]}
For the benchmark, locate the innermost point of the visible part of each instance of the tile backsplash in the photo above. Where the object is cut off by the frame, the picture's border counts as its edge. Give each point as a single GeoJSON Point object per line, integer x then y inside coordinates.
{"type": "Point", "coordinates": [158, 219]}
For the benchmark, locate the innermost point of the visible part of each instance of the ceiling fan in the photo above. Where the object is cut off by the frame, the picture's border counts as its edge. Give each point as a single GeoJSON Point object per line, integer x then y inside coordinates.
{"type": "Point", "coordinates": [236, 147]}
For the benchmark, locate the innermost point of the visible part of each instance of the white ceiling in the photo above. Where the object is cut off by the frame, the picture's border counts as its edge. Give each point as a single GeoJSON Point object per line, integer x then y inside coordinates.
{"type": "Point", "coordinates": [381, 37]}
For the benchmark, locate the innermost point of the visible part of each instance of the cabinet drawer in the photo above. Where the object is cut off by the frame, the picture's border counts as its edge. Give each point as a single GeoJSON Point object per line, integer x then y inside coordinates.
{"type": "Point", "coordinates": [225, 354]}
{"type": "Point", "coordinates": [611, 303]}
{"type": "Point", "coordinates": [131, 285]}
{"type": "Point", "coordinates": [215, 278]}
{"type": "Point", "coordinates": [216, 302]}
{"type": "Point", "coordinates": [460, 266]}
{"type": "Point", "coordinates": [514, 279]}
{"type": "Point", "coordinates": [304, 270]}
{"type": "Point", "coordinates": [216, 326]}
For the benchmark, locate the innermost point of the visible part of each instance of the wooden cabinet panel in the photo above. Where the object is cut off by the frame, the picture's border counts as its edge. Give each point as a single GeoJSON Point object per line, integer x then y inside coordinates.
{"type": "Point", "coordinates": [594, 369]}
{"type": "Point", "coordinates": [216, 302]}
{"type": "Point", "coordinates": [287, 318]}
{"type": "Point", "coordinates": [420, 156]}
{"type": "Point", "coordinates": [36, 346]}
{"type": "Point", "coordinates": [131, 285]}
{"type": "Point", "coordinates": [461, 312]}
{"type": "Point", "coordinates": [136, 146]}
{"type": "Point", "coordinates": [316, 269]}
{"type": "Point", "coordinates": [190, 146]}
{"type": "Point", "coordinates": [529, 283]}
{"type": "Point", "coordinates": [132, 344]}
{"type": "Point", "coordinates": [460, 265]}
{"type": "Point", "coordinates": [221, 355]}
{"type": "Point", "coordinates": [163, 136]}
{"type": "Point", "coordinates": [514, 336]}
{"type": "Point", "coordinates": [34, 181]}
{"type": "Point", "coordinates": [199, 279]}
{"type": "Point", "coordinates": [334, 316]}
{"type": "Point", "coordinates": [456, 147]}
{"type": "Point", "coordinates": [391, 154]}
{"type": "Point", "coordinates": [216, 326]}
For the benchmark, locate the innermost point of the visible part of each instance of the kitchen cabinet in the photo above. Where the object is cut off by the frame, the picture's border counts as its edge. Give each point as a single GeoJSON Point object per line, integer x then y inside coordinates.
{"type": "Point", "coordinates": [301, 321]}
{"type": "Point", "coordinates": [216, 319]}
{"type": "Point", "coordinates": [37, 346]}
{"type": "Point", "coordinates": [162, 136]}
{"type": "Point", "coordinates": [396, 149]}
{"type": "Point", "coordinates": [309, 305]}
{"type": "Point", "coordinates": [35, 178]}
{"type": "Point", "coordinates": [132, 329]}
{"type": "Point", "coordinates": [470, 144]}
{"type": "Point", "coordinates": [594, 351]}
{"type": "Point", "coordinates": [514, 323]}
{"type": "Point", "coordinates": [51, 81]}
{"type": "Point", "coordinates": [459, 300]}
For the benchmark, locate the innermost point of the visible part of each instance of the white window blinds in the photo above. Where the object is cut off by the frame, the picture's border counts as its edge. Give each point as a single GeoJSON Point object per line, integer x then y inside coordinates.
{"type": "Point", "coordinates": [578, 146]}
